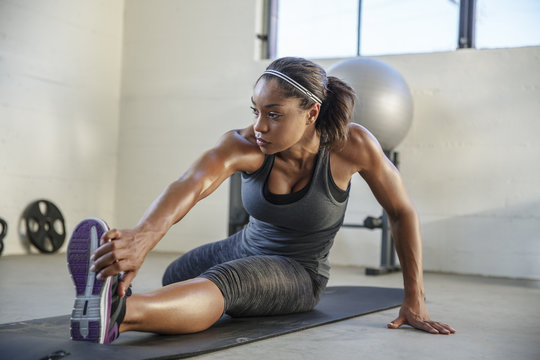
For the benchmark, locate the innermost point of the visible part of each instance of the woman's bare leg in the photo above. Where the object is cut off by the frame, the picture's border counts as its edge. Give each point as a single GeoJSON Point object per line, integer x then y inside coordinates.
{"type": "Point", "coordinates": [185, 307]}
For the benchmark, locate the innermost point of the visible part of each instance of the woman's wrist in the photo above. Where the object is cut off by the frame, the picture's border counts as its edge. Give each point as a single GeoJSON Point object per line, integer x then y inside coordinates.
{"type": "Point", "coordinates": [414, 292]}
{"type": "Point", "coordinates": [150, 235]}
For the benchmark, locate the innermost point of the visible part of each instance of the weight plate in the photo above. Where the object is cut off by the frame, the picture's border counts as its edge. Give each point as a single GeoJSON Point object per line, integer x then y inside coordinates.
{"type": "Point", "coordinates": [45, 226]}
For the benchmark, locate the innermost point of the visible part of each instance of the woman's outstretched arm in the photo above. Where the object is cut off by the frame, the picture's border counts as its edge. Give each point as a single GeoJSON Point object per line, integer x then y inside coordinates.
{"type": "Point", "coordinates": [125, 250]}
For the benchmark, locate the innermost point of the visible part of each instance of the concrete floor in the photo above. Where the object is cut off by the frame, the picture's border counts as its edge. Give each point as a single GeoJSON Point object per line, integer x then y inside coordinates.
{"type": "Point", "coordinates": [494, 318]}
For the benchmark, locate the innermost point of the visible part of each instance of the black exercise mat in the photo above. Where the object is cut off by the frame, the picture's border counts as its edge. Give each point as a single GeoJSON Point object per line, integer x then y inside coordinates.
{"type": "Point", "coordinates": [36, 339]}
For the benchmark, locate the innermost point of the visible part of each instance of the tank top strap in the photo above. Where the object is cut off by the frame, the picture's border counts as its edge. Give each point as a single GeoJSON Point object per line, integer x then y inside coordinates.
{"type": "Point", "coordinates": [263, 171]}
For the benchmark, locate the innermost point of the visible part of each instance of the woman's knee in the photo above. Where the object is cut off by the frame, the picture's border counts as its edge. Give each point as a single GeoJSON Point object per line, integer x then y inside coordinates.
{"type": "Point", "coordinates": [178, 270]}
{"type": "Point", "coordinates": [168, 276]}
{"type": "Point", "coordinates": [196, 261]}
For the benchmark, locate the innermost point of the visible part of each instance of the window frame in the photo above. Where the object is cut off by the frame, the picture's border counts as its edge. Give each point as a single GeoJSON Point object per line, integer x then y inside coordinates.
{"type": "Point", "coordinates": [268, 38]}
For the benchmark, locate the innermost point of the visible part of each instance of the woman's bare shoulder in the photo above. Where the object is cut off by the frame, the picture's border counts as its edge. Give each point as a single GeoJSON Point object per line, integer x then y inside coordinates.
{"type": "Point", "coordinates": [244, 136]}
{"type": "Point", "coordinates": [241, 150]}
{"type": "Point", "coordinates": [361, 148]}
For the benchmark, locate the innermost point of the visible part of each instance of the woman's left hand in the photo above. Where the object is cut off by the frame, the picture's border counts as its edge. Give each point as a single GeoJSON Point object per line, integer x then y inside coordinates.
{"type": "Point", "coordinates": [415, 314]}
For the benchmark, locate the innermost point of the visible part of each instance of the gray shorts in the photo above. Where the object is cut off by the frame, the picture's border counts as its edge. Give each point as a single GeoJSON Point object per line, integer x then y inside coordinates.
{"type": "Point", "coordinates": [252, 285]}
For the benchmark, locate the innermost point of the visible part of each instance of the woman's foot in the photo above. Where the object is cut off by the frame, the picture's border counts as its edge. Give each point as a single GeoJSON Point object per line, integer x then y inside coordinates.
{"type": "Point", "coordinates": [98, 310]}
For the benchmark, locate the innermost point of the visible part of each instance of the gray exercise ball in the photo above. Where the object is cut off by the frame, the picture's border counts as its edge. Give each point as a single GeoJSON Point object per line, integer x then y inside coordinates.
{"type": "Point", "coordinates": [384, 102]}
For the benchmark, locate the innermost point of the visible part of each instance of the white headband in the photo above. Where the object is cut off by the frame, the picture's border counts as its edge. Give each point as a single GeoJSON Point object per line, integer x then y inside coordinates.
{"type": "Point", "coordinates": [302, 89]}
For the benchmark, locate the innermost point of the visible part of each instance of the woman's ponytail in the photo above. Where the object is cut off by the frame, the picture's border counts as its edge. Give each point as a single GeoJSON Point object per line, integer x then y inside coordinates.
{"type": "Point", "coordinates": [336, 112]}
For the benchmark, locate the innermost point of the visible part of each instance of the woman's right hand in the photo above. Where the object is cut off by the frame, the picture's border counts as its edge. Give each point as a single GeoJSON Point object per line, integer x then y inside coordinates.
{"type": "Point", "coordinates": [121, 251]}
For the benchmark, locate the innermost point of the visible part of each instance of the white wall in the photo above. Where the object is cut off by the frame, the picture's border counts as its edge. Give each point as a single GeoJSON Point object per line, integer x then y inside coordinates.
{"type": "Point", "coordinates": [469, 161]}
{"type": "Point", "coordinates": [59, 108]}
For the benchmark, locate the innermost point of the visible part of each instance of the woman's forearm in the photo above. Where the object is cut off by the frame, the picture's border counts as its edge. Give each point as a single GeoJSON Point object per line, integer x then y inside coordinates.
{"type": "Point", "coordinates": [408, 243]}
{"type": "Point", "coordinates": [169, 208]}
{"type": "Point", "coordinates": [200, 180]}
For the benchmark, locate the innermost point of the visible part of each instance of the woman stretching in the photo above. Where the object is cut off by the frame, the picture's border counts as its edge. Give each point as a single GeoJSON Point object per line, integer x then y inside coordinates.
{"type": "Point", "coordinates": [297, 160]}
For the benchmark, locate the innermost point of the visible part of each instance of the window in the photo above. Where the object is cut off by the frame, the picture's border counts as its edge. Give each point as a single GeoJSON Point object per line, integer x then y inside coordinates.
{"type": "Point", "coordinates": [507, 23]}
{"type": "Point", "coordinates": [345, 28]}
{"type": "Point", "coordinates": [408, 26]}
{"type": "Point", "coordinates": [317, 28]}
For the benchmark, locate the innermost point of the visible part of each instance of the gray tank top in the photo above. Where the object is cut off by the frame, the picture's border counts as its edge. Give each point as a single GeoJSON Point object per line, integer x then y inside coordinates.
{"type": "Point", "coordinates": [303, 229]}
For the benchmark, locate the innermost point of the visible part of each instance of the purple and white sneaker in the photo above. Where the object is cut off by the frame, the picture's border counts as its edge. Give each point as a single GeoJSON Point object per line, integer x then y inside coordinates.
{"type": "Point", "coordinates": [98, 310]}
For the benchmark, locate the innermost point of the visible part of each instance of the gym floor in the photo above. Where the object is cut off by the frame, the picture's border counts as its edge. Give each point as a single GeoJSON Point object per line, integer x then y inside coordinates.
{"type": "Point", "coordinates": [494, 318]}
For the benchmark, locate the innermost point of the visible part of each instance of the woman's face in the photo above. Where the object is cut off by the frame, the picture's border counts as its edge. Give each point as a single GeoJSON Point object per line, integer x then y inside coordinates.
{"type": "Point", "coordinates": [279, 122]}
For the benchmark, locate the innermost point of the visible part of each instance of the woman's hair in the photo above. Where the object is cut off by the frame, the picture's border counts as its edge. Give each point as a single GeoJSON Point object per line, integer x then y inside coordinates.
{"type": "Point", "coordinates": [337, 97]}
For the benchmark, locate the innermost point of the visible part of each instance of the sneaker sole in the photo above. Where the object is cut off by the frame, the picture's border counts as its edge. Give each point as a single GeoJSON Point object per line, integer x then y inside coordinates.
{"type": "Point", "coordinates": [91, 310]}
